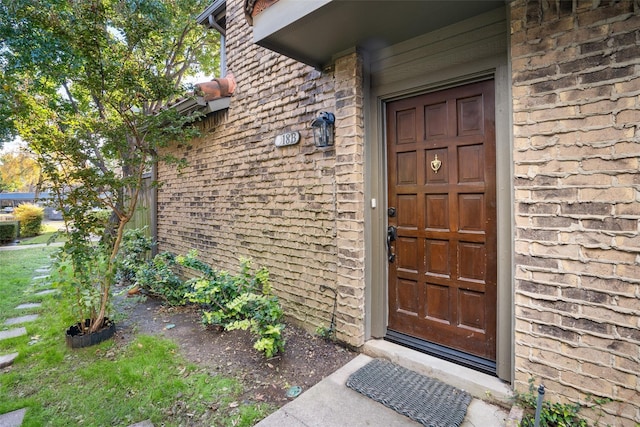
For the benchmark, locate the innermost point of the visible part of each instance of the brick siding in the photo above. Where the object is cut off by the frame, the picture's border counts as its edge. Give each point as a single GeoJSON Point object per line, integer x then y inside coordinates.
{"type": "Point", "coordinates": [240, 196]}
{"type": "Point", "coordinates": [576, 105]}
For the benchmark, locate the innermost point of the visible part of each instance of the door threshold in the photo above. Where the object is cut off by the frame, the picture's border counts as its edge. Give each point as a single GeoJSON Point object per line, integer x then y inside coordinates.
{"type": "Point", "coordinates": [455, 356]}
{"type": "Point", "coordinates": [479, 385]}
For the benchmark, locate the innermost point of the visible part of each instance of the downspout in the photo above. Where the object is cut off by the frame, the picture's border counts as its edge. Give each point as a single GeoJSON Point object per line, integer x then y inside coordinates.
{"type": "Point", "coordinates": [154, 208]}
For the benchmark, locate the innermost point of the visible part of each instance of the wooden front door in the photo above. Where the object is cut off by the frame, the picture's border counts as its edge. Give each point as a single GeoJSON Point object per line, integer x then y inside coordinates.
{"type": "Point", "coordinates": [442, 218]}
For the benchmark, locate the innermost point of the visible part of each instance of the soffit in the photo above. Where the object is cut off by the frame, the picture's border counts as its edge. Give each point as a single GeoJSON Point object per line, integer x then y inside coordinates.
{"type": "Point", "coordinates": [315, 31]}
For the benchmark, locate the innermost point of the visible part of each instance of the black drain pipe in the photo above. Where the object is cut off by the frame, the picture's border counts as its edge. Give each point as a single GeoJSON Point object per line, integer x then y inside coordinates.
{"type": "Point", "coordinates": [539, 405]}
{"type": "Point", "coordinates": [332, 326]}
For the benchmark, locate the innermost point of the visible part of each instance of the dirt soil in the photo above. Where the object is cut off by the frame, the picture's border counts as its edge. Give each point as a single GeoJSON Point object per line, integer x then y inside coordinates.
{"type": "Point", "coordinates": [307, 358]}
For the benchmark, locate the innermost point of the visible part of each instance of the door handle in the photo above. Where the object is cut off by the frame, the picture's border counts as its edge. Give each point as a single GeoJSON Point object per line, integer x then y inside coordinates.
{"type": "Point", "coordinates": [392, 234]}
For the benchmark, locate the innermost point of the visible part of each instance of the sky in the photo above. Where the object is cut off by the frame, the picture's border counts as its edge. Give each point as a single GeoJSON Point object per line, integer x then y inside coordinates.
{"type": "Point", "coordinates": [11, 146]}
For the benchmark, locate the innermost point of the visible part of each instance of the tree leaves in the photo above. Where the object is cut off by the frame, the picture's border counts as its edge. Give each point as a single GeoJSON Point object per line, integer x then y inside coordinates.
{"type": "Point", "coordinates": [84, 84]}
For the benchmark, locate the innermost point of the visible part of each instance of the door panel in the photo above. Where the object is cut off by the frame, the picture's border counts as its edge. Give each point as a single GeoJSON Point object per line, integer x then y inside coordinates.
{"type": "Point", "coordinates": [441, 166]}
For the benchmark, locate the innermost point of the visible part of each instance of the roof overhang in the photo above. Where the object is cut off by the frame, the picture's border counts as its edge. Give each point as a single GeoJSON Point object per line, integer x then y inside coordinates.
{"type": "Point", "coordinates": [191, 104]}
{"type": "Point", "coordinates": [214, 16]}
{"type": "Point", "coordinates": [316, 31]}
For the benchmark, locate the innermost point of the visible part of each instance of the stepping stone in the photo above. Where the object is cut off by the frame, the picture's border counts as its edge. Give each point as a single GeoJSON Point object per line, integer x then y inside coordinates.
{"type": "Point", "coordinates": [40, 277]}
{"type": "Point", "coordinates": [21, 319]}
{"type": "Point", "coordinates": [12, 333]}
{"type": "Point", "coordinates": [145, 423]}
{"type": "Point", "coordinates": [43, 270]}
{"type": "Point", "coordinates": [7, 360]}
{"type": "Point", "coordinates": [46, 292]}
{"type": "Point", "coordinates": [12, 419]}
{"type": "Point", "coordinates": [28, 306]}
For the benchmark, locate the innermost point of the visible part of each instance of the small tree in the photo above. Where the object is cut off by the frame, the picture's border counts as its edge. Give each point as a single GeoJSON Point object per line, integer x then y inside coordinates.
{"type": "Point", "coordinates": [85, 84]}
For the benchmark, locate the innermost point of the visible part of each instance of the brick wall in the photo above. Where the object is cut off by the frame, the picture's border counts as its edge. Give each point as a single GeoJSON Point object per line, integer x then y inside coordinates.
{"type": "Point", "coordinates": [296, 210]}
{"type": "Point", "coordinates": [576, 102]}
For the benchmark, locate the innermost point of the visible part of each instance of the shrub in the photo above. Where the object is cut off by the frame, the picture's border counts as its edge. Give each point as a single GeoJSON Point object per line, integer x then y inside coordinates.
{"type": "Point", "coordinates": [159, 278]}
{"type": "Point", "coordinates": [132, 255]}
{"type": "Point", "coordinates": [243, 301]}
{"type": "Point", "coordinates": [8, 231]}
{"type": "Point", "coordinates": [30, 217]}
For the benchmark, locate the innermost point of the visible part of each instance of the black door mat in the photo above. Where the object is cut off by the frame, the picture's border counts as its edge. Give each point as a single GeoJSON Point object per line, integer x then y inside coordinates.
{"type": "Point", "coordinates": [426, 400]}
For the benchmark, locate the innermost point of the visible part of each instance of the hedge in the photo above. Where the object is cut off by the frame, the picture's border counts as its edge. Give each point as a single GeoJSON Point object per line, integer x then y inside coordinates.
{"type": "Point", "coordinates": [30, 217]}
{"type": "Point", "coordinates": [8, 231]}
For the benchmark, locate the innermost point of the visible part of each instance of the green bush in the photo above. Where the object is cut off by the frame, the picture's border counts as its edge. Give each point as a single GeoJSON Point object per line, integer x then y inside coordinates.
{"type": "Point", "coordinates": [132, 255]}
{"type": "Point", "coordinates": [30, 217]}
{"type": "Point", "coordinates": [8, 231]}
{"type": "Point", "coordinates": [159, 278]}
{"type": "Point", "coordinates": [242, 301]}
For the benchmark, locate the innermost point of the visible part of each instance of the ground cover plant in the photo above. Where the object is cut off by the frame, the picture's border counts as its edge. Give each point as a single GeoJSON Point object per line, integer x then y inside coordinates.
{"type": "Point", "coordinates": [116, 383]}
{"type": "Point", "coordinates": [558, 414]}
{"type": "Point", "coordinates": [242, 301]}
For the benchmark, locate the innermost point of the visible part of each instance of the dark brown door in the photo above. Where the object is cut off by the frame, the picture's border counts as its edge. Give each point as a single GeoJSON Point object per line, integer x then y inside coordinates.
{"type": "Point", "coordinates": [441, 166]}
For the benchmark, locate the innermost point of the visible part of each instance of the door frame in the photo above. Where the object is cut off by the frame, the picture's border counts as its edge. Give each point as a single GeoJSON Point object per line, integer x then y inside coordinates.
{"type": "Point", "coordinates": [380, 88]}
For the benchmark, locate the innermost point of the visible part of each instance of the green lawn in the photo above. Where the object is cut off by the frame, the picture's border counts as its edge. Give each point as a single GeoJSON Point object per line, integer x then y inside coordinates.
{"type": "Point", "coordinates": [107, 385]}
{"type": "Point", "coordinates": [50, 233]}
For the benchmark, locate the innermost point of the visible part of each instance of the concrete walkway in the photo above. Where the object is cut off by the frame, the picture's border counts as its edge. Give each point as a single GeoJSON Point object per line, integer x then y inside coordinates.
{"type": "Point", "coordinates": [330, 403]}
{"type": "Point", "coordinates": [15, 247]}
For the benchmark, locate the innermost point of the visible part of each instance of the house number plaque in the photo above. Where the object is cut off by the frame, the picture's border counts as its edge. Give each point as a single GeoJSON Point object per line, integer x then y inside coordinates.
{"type": "Point", "coordinates": [289, 138]}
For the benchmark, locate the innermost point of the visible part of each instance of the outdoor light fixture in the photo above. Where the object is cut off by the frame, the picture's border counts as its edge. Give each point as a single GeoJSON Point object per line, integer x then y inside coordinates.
{"type": "Point", "coordinates": [322, 128]}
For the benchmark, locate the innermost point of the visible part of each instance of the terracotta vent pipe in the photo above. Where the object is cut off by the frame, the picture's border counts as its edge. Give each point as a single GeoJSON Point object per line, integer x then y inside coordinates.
{"type": "Point", "coordinates": [216, 88]}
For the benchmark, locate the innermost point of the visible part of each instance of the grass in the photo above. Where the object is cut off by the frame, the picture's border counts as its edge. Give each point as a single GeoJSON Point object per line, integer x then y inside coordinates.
{"type": "Point", "coordinates": [111, 384]}
{"type": "Point", "coordinates": [49, 234]}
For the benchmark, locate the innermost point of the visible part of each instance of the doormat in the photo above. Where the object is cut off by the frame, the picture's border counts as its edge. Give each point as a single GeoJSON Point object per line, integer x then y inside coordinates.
{"type": "Point", "coordinates": [428, 401]}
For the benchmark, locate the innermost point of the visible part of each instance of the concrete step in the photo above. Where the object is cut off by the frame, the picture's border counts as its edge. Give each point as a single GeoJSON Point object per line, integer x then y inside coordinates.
{"type": "Point", "coordinates": [7, 360]}
{"type": "Point", "coordinates": [29, 306]}
{"type": "Point", "coordinates": [12, 419]}
{"type": "Point", "coordinates": [479, 385]}
{"type": "Point", "coordinates": [46, 292]}
{"type": "Point", "coordinates": [21, 319]}
{"type": "Point", "coordinates": [12, 333]}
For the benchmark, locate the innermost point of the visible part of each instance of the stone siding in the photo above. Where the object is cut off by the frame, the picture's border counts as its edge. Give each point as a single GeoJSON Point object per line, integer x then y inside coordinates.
{"type": "Point", "coordinates": [576, 105]}
{"type": "Point", "coordinates": [297, 210]}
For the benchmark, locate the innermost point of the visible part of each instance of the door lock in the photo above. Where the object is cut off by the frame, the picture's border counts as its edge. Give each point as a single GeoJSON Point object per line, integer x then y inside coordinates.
{"type": "Point", "coordinates": [392, 234]}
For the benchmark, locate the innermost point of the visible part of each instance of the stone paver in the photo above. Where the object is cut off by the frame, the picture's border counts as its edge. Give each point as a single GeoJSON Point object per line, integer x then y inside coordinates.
{"type": "Point", "coordinates": [7, 360]}
{"type": "Point", "coordinates": [12, 333]}
{"type": "Point", "coordinates": [46, 292]}
{"type": "Point", "coordinates": [41, 277]}
{"type": "Point", "coordinates": [12, 419]}
{"type": "Point", "coordinates": [28, 306]}
{"type": "Point", "coordinates": [43, 270]}
{"type": "Point", "coordinates": [21, 319]}
{"type": "Point", "coordinates": [145, 423]}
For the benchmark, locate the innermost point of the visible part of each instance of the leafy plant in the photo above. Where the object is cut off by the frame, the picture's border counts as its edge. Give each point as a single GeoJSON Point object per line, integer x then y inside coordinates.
{"type": "Point", "coordinates": [79, 273]}
{"type": "Point", "coordinates": [241, 301]}
{"type": "Point", "coordinates": [30, 217]}
{"type": "Point", "coordinates": [132, 255]}
{"type": "Point", "coordinates": [326, 333]}
{"type": "Point", "coordinates": [159, 278]}
{"type": "Point", "coordinates": [553, 414]}
{"type": "Point", "coordinates": [8, 231]}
